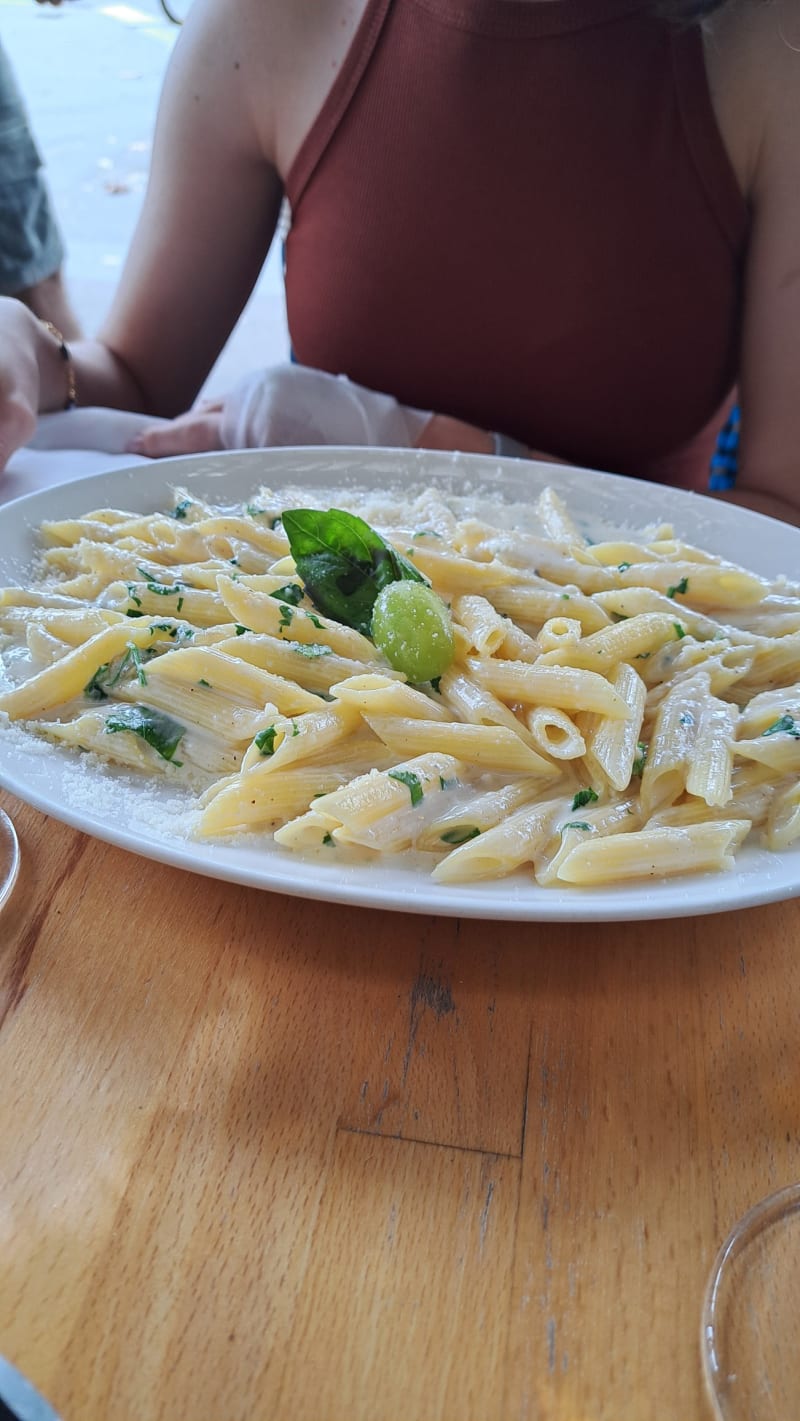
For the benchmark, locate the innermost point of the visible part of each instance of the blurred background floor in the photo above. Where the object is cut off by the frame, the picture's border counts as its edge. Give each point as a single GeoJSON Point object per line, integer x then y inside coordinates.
{"type": "Point", "coordinates": [91, 73]}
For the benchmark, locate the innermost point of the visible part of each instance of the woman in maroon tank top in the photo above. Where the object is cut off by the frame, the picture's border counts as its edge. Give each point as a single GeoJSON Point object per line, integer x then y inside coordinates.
{"type": "Point", "coordinates": [574, 222]}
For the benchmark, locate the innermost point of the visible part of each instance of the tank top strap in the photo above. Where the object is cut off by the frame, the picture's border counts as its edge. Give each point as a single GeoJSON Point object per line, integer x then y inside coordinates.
{"type": "Point", "coordinates": [709, 155]}
{"type": "Point", "coordinates": [338, 97]}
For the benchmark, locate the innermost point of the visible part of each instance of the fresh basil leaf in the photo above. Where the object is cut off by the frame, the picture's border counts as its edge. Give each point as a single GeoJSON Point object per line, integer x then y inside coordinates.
{"type": "Point", "coordinates": [154, 727]}
{"type": "Point", "coordinates": [584, 796]}
{"type": "Point", "coordinates": [343, 563]}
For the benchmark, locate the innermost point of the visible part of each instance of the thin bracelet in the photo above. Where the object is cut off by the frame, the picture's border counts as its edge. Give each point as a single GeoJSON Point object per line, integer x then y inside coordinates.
{"type": "Point", "coordinates": [72, 389]}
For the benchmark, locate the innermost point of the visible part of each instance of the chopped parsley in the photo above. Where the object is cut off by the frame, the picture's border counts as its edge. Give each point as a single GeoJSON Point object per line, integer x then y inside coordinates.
{"type": "Point", "coordinates": [576, 824]}
{"type": "Point", "coordinates": [204, 682]}
{"type": "Point", "coordinates": [161, 589]}
{"type": "Point", "coordinates": [785, 725]}
{"type": "Point", "coordinates": [584, 796]}
{"type": "Point", "coordinates": [312, 649]}
{"type": "Point", "coordinates": [435, 684]}
{"type": "Point", "coordinates": [287, 613]}
{"type": "Point", "coordinates": [462, 835]}
{"type": "Point", "coordinates": [680, 588]}
{"type": "Point", "coordinates": [680, 631]}
{"type": "Point", "coordinates": [623, 566]}
{"type": "Point", "coordinates": [265, 740]}
{"type": "Point", "coordinates": [639, 763]}
{"type": "Point", "coordinates": [329, 839]}
{"type": "Point", "coordinates": [181, 509]}
{"type": "Point", "coordinates": [154, 727]}
{"type": "Point", "coordinates": [240, 630]}
{"type": "Point", "coordinates": [411, 782]}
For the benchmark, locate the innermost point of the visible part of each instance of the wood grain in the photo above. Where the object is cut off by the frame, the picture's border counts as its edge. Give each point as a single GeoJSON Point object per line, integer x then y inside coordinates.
{"type": "Point", "coordinates": [261, 1157]}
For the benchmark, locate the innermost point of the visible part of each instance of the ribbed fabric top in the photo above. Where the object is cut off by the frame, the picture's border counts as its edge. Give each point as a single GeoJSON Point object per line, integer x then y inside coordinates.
{"type": "Point", "coordinates": [521, 213]}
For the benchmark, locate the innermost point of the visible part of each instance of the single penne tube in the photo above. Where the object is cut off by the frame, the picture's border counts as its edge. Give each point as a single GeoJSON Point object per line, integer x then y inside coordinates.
{"type": "Point", "coordinates": [534, 605]}
{"type": "Point", "coordinates": [612, 745]}
{"type": "Point", "coordinates": [620, 817]}
{"type": "Point", "coordinates": [623, 641]}
{"type": "Point", "coordinates": [492, 747]}
{"type": "Point", "coordinates": [554, 733]}
{"type": "Point", "coordinates": [375, 694]}
{"type": "Point", "coordinates": [476, 811]}
{"type": "Point", "coordinates": [466, 700]}
{"type": "Point", "coordinates": [775, 663]}
{"type": "Point", "coordinates": [781, 752]}
{"type": "Point", "coordinates": [720, 585]}
{"type": "Point", "coordinates": [613, 553]}
{"type": "Point", "coordinates": [199, 705]}
{"type": "Point", "coordinates": [783, 820]}
{"type": "Point", "coordinates": [40, 602]}
{"type": "Point", "coordinates": [654, 853]}
{"type": "Point", "coordinates": [313, 665]}
{"type": "Point", "coordinates": [68, 624]}
{"type": "Point", "coordinates": [768, 709]}
{"type": "Point", "coordinates": [710, 769]}
{"type": "Point", "coordinates": [237, 680]}
{"type": "Point", "coordinates": [559, 632]}
{"type": "Point", "coordinates": [450, 574]}
{"type": "Point", "coordinates": [268, 615]}
{"type": "Point", "coordinates": [43, 646]}
{"type": "Point", "coordinates": [169, 599]}
{"type": "Point", "coordinates": [65, 679]}
{"type": "Point", "coordinates": [311, 830]}
{"type": "Point", "coordinates": [484, 626]}
{"type": "Point", "coordinates": [556, 519]}
{"type": "Point", "coordinates": [241, 528]}
{"type": "Point", "coordinates": [275, 799]}
{"type": "Point", "coordinates": [516, 841]}
{"type": "Point", "coordinates": [518, 645]}
{"type": "Point", "coordinates": [636, 601]}
{"type": "Point", "coordinates": [105, 733]}
{"type": "Point", "coordinates": [286, 740]}
{"type": "Point", "coordinates": [412, 783]}
{"type": "Point", "coordinates": [567, 687]}
{"type": "Point", "coordinates": [672, 743]}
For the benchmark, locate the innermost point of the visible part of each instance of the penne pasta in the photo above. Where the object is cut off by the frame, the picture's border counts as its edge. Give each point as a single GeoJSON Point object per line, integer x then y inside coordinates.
{"type": "Point", "coordinates": [606, 711]}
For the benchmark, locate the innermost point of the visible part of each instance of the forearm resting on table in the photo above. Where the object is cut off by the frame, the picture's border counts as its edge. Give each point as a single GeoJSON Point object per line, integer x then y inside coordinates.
{"type": "Point", "coordinates": [101, 378]}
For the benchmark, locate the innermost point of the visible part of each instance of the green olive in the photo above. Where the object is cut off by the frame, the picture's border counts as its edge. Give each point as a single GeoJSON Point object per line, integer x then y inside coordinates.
{"type": "Point", "coordinates": [411, 626]}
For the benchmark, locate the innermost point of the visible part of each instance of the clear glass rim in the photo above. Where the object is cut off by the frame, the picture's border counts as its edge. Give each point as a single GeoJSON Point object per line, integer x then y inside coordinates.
{"type": "Point", "coordinates": [9, 833]}
{"type": "Point", "coordinates": [781, 1204]}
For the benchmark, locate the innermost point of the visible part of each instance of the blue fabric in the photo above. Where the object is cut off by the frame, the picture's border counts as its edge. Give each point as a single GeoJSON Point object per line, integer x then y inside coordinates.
{"type": "Point", "coordinates": [30, 242]}
{"type": "Point", "coordinates": [725, 459]}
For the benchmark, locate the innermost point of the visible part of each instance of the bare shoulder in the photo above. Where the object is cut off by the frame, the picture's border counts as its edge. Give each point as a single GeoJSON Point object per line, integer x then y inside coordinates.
{"type": "Point", "coordinates": [752, 50]}
{"type": "Point", "coordinates": [292, 51]}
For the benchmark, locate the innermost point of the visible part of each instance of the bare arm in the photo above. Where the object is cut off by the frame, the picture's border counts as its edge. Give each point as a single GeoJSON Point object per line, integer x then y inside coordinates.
{"type": "Point", "coordinates": [208, 219]}
{"type": "Point", "coordinates": [762, 66]}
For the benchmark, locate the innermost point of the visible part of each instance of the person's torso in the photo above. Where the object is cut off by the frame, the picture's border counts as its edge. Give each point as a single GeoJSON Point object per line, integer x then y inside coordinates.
{"type": "Point", "coordinates": [523, 214]}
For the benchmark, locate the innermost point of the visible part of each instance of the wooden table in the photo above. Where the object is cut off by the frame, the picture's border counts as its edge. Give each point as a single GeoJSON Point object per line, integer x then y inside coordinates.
{"type": "Point", "coordinates": [270, 1159]}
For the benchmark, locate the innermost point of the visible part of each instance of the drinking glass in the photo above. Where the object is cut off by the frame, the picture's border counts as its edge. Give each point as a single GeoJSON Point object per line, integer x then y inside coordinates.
{"type": "Point", "coordinates": [750, 1331]}
{"type": "Point", "coordinates": [9, 856]}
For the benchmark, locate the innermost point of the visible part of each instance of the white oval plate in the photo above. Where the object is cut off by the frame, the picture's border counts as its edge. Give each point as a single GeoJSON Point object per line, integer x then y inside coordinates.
{"type": "Point", "coordinates": [149, 820]}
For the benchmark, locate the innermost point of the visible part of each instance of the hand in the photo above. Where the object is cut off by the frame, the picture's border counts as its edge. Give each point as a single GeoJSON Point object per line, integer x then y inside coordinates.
{"type": "Point", "coordinates": [196, 432]}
